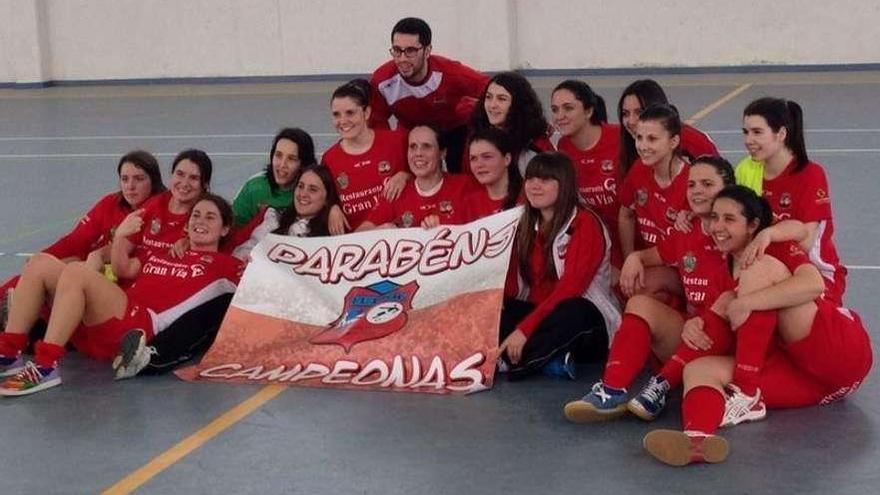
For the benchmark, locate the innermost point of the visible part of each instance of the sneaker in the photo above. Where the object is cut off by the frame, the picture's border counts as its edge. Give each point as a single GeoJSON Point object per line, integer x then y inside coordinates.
{"type": "Point", "coordinates": [560, 367]}
{"type": "Point", "coordinates": [501, 365]}
{"type": "Point", "coordinates": [11, 365]}
{"type": "Point", "coordinates": [31, 379]}
{"type": "Point", "coordinates": [601, 404]}
{"type": "Point", "coordinates": [741, 408]}
{"type": "Point", "coordinates": [680, 448]}
{"type": "Point", "coordinates": [651, 400]}
{"type": "Point", "coordinates": [134, 354]}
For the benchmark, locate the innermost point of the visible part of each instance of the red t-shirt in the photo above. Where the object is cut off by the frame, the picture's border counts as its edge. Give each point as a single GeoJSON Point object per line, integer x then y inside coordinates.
{"type": "Point", "coordinates": [582, 258]}
{"type": "Point", "coordinates": [698, 261]}
{"type": "Point", "coordinates": [94, 230]}
{"type": "Point", "coordinates": [478, 204]}
{"type": "Point", "coordinates": [360, 179]}
{"type": "Point", "coordinates": [161, 227]}
{"type": "Point", "coordinates": [696, 142]}
{"type": "Point", "coordinates": [170, 287]}
{"type": "Point", "coordinates": [446, 97]}
{"type": "Point", "coordinates": [804, 196]}
{"type": "Point", "coordinates": [655, 207]}
{"type": "Point", "coordinates": [411, 207]}
{"type": "Point", "coordinates": [597, 171]}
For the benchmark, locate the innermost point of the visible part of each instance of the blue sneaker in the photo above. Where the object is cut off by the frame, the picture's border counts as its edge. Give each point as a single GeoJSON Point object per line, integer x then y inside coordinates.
{"type": "Point", "coordinates": [651, 400]}
{"type": "Point", "coordinates": [601, 404]}
{"type": "Point", "coordinates": [31, 379]}
{"type": "Point", "coordinates": [560, 367]}
{"type": "Point", "coordinates": [11, 365]}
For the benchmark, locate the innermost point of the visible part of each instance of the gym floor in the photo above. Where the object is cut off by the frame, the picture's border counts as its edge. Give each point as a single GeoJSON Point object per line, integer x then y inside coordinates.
{"type": "Point", "coordinates": [58, 152]}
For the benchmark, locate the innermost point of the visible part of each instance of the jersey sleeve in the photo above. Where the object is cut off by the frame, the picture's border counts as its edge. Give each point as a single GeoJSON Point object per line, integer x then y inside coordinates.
{"type": "Point", "coordinates": [789, 253]}
{"type": "Point", "coordinates": [669, 247]}
{"type": "Point", "coordinates": [380, 112]}
{"type": "Point", "coordinates": [627, 192]}
{"type": "Point", "coordinates": [814, 204]}
{"type": "Point", "coordinates": [243, 206]}
{"type": "Point", "coordinates": [582, 259]}
{"type": "Point", "coordinates": [697, 142]}
{"type": "Point", "coordinates": [86, 233]}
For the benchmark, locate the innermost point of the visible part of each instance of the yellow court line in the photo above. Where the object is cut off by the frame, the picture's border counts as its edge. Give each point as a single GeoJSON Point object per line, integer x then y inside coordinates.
{"type": "Point", "coordinates": [162, 461]}
{"type": "Point", "coordinates": [717, 104]}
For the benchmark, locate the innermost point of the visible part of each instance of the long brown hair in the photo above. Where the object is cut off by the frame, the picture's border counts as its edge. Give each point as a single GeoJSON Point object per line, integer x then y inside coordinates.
{"type": "Point", "coordinates": [554, 166]}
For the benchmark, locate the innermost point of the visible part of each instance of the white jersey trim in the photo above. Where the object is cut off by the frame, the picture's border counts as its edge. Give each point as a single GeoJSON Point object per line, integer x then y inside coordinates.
{"type": "Point", "coordinates": [396, 88]}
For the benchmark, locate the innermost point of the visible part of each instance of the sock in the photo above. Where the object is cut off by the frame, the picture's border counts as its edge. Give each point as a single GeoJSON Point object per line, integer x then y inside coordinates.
{"type": "Point", "coordinates": [629, 350]}
{"type": "Point", "coordinates": [717, 329]}
{"type": "Point", "coordinates": [11, 344]}
{"type": "Point", "coordinates": [702, 409]}
{"type": "Point", "coordinates": [752, 340]}
{"type": "Point", "coordinates": [47, 355]}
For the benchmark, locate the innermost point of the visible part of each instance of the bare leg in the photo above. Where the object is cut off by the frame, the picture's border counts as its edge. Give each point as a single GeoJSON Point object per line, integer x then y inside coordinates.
{"type": "Point", "coordinates": [36, 285]}
{"type": "Point", "coordinates": [709, 371]}
{"type": "Point", "coordinates": [82, 295]}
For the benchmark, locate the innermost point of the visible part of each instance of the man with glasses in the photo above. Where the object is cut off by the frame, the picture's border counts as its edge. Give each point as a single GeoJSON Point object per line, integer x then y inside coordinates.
{"type": "Point", "coordinates": [419, 88]}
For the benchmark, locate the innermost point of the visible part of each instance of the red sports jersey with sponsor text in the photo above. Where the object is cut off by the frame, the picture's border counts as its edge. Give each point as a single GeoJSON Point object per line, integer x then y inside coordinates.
{"type": "Point", "coordinates": [701, 266]}
{"type": "Point", "coordinates": [446, 97]}
{"type": "Point", "coordinates": [655, 207]}
{"type": "Point", "coordinates": [360, 179]}
{"type": "Point", "coordinates": [408, 210]}
{"type": "Point", "coordinates": [597, 176]}
{"type": "Point", "coordinates": [94, 230]}
{"type": "Point", "coordinates": [161, 227]}
{"type": "Point", "coordinates": [805, 196]}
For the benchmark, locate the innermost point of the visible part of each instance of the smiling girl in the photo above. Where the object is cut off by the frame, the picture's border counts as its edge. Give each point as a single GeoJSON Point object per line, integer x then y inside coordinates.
{"type": "Point", "coordinates": [365, 163]}
{"type": "Point", "coordinates": [94, 313]}
{"type": "Point", "coordinates": [558, 306]}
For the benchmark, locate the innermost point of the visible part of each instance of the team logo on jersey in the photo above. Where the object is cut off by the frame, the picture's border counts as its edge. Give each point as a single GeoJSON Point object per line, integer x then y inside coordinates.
{"type": "Point", "coordinates": [369, 313]}
{"type": "Point", "coordinates": [207, 258]}
{"type": "Point", "coordinates": [642, 196]}
{"type": "Point", "coordinates": [821, 196]}
{"type": "Point", "coordinates": [607, 166]}
{"type": "Point", "coordinates": [384, 167]}
{"type": "Point", "coordinates": [785, 200]}
{"type": "Point", "coordinates": [793, 248]}
{"type": "Point", "coordinates": [155, 225]}
{"type": "Point", "coordinates": [406, 220]}
{"type": "Point", "coordinates": [342, 180]}
{"type": "Point", "coordinates": [197, 270]}
{"type": "Point", "coordinates": [689, 262]}
{"type": "Point", "coordinates": [445, 207]}
{"type": "Point", "coordinates": [671, 213]}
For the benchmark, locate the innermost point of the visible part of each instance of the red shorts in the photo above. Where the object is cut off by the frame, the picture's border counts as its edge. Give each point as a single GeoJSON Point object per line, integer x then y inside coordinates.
{"type": "Point", "coordinates": [826, 365]}
{"type": "Point", "coordinates": [102, 341]}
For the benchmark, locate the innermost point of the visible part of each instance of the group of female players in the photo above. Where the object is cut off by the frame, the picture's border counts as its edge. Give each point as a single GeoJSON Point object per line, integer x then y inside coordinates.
{"type": "Point", "coordinates": [735, 296]}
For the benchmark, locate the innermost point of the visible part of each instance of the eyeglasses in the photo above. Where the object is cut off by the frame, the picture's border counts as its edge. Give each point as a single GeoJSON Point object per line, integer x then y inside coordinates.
{"type": "Point", "coordinates": [409, 51]}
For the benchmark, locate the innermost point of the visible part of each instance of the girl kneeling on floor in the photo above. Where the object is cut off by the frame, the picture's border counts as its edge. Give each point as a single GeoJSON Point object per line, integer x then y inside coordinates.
{"type": "Point", "coordinates": [558, 302]}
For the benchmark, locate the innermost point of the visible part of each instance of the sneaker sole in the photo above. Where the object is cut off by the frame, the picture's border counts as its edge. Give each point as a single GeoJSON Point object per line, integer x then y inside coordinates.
{"type": "Point", "coordinates": [749, 418]}
{"type": "Point", "coordinates": [129, 345]}
{"type": "Point", "coordinates": [639, 411]}
{"type": "Point", "coordinates": [43, 386]}
{"type": "Point", "coordinates": [674, 448]}
{"type": "Point", "coordinates": [584, 412]}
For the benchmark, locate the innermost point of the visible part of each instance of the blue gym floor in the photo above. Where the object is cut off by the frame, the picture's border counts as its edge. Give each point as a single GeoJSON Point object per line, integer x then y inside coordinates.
{"type": "Point", "coordinates": [58, 153]}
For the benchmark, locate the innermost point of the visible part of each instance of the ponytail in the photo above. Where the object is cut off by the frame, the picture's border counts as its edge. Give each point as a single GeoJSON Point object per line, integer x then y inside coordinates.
{"type": "Point", "coordinates": [779, 113]}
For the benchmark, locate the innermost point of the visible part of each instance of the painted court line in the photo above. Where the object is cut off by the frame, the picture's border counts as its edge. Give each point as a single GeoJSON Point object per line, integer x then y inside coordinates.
{"type": "Point", "coordinates": [146, 136]}
{"type": "Point", "coordinates": [829, 131]}
{"type": "Point", "coordinates": [715, 105]}
{"type": "Point", "coordinates": [162, 461]}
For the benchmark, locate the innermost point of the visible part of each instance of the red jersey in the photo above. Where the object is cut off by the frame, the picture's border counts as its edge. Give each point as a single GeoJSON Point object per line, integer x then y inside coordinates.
{"type": "Point", "coordinates": [805, 196]}
{"type": "Point", "coordinates": [446, 97]}
{"type": "Point", "coordinates": [161, 227]}
{"type": "Point", "coordinates": [94, 230]}
{"type": "Point", "coordinates": [408, 210]}
{"type": "Point", "coordinates": [695, 142]}
{"type": "Point", "coordinates": [698, 261]}
{"type": "Point", "coordinates": [655, 207]}
{"type": "Point", "coordinates": [597, 172]}
{"type": "Point", "coordinates": [170, 287]}
{"type": "Point", "coordinates": [478, 204]}
{"type": "Point", "coordinates": [581, 259]}
{"type": "Point", "coordinates": [360, 179]}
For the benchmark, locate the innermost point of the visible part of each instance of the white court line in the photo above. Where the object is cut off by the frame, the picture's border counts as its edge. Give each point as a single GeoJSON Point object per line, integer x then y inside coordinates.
{"type": "Point", "coordinates": [830, 131]}
{"type": "Point", "coordinates": [165, 136]}
{"type": "Point", "coordinates": [809, 150]}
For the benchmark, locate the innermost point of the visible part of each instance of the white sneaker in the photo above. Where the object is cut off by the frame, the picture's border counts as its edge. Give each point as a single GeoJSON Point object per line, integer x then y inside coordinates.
{"type": "Point", "coordinates": [741, 408]}
{"type": "Point", "coordinates": [134, 354]}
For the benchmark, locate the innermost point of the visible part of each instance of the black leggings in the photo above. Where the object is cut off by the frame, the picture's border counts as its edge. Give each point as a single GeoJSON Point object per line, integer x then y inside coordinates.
{"type": "Point", "coordinates": [190, 335]}
{"type": "Point", "coordinates": [574, 325]}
